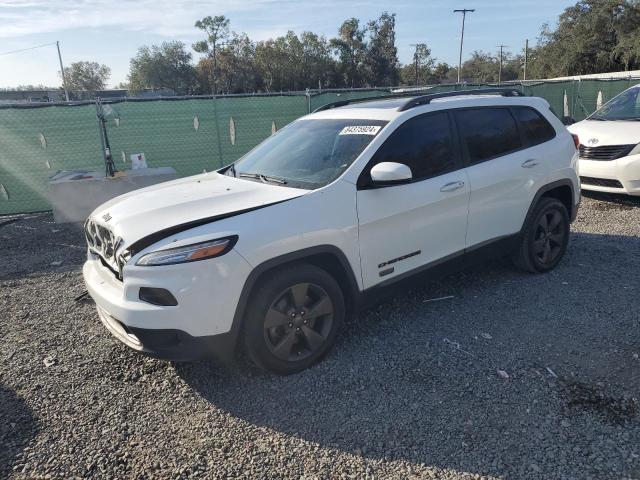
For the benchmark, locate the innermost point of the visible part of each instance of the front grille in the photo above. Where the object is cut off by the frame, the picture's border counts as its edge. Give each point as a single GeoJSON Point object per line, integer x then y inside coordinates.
{"type": "Point", "coordinates": [605, 152]}
{"type": "Point", "coordinates": [601, 182]}
{"type": "Point", "coordinates": [104, 243]}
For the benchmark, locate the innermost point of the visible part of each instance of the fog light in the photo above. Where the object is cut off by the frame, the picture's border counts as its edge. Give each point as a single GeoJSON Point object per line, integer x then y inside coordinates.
{"type": "Point", "coordinates": [157, 296]}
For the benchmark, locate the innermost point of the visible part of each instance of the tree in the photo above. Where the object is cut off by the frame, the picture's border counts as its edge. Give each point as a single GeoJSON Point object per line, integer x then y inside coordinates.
{"type": "Point", "coordinates": [351, 49]}
{"type": "Point", "coordinates": [87, 76]}
{"type": "Point", "coordinates": [165, 66]}
{"type": "Point", "coordinates": [217, 31]}
{"type": "Point", "coordinates": [421, 69]}
{"type": "Point", "coordinates": [236, 65]}
{"type": "Point", "coordinates": [593, 36]}
{"type": "Point", "coordinates": [381, 59]}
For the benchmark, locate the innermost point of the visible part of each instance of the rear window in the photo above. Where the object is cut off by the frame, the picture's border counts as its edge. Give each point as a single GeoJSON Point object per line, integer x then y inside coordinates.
{"type": "Point", "coordinates": [535, 128]}
{"type": "Point", "coordinates": [488, 132]}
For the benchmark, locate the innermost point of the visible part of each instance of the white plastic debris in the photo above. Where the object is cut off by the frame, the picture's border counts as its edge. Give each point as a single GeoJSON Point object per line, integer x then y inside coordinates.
{"type": "Point", "coordinates": [552, 373]}
{"type": "Point", "coordinates": [502, 374]}
{"type": "Point", "coordinates": [437, 299]}
{"type": "Point", "coordinates": [56, 263]}
{"type": "Point", "coordinates": [49, 361]}
{"type": "Point", "coordinates": [486, 335]}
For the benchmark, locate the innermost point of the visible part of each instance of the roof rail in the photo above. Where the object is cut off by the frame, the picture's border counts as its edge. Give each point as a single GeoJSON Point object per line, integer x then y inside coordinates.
{"type": "Point", "coordinates": [342, 103]}
{"type": "Point", "coordinates": [426, 99]}
{"type": "Point", "coordinates": [415, 101]}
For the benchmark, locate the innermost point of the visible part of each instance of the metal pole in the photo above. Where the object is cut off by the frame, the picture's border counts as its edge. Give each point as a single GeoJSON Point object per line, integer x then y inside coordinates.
{"type": "Point", "coordinates": [500, 70]}
{"type": "Point", "coordinates": [464, 16]}
{"type": "Point", "coordinates": [526, 57]}
{"type": "Point", "coordinates": [64, 78]}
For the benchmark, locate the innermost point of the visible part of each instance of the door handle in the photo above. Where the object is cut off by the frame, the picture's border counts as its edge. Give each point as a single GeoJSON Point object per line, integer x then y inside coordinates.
{"type": "Point", "coordinates": [451, 186]}
{"type": "Point", "coordinates": [532, 162]}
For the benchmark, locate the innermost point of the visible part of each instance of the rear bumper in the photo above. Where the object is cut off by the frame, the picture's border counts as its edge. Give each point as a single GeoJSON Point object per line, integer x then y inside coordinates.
{"type": "Point", "coordinates": [613, 176]}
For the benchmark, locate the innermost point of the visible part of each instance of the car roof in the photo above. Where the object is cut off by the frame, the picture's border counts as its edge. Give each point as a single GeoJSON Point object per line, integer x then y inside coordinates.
{"type": "Point", "coordinates": [389, 109]}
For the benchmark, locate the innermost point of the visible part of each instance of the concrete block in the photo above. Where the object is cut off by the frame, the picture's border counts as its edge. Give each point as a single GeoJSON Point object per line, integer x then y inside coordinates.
{"type": "Point", "coordinates": [75, 194]}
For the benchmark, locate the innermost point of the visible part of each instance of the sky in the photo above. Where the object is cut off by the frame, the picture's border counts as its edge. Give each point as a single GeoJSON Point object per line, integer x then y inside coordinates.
{"type": "Point", "coordinates": [110, 31]}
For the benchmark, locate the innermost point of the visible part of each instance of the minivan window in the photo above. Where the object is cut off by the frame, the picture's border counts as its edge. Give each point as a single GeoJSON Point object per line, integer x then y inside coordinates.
{"type": "Point", "coordinates": [422, 143]}
{"type": "Point", "coordinates": [625, 106]}
{"type": "Point", "coordinates": [488, 132]}
{"type": "Point", "coordinates": [535, 128]}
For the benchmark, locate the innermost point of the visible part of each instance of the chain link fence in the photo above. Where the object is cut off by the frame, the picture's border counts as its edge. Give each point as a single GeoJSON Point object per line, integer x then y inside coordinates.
{"type": "Point", "coordinates": [193, 134]}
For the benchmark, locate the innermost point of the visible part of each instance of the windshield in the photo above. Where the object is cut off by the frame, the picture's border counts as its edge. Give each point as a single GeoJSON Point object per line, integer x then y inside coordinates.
{"type": "Point", "coordinates": [307, 153]}
{"type": "Point", "coordinates": [625, 106]}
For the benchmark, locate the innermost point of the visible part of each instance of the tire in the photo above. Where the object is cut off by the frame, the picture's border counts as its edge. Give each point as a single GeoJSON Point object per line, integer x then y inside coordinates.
{"type": "Point", "coordinates": [545, 237]}
{"type": "Point", "coordinates": [293, 318]}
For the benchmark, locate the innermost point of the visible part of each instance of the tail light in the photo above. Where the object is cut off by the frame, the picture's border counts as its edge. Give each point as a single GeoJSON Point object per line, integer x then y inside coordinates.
{"type": "Point", "coordinates": [576, 140]}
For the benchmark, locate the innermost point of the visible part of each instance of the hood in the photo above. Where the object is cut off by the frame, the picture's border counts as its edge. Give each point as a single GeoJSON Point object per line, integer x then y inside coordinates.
{"type": "Point", "coordinates": [147, 211]}
{"type": "Point", "coordinates": [607, 132]}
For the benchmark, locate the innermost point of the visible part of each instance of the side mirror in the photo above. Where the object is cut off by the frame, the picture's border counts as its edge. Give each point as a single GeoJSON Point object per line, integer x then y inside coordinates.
{"type": "Point", "coordinates": [390, 173]}
{"type": "Point", "coordinates": [568, 120]}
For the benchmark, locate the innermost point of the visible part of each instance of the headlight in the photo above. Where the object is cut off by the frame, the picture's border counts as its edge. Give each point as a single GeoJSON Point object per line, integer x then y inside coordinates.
{"type": "Point", "coordinates": [636, 150]}
{"type": "Point", "coordinates": [189, 253]}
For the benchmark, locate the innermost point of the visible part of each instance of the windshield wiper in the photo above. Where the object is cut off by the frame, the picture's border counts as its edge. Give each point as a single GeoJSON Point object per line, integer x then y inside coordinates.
{"type": "Point", "coordinates": [263, 178]}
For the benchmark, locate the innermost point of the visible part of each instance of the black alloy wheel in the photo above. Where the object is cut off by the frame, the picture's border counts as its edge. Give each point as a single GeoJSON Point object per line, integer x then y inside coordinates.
{"type": "Point", "coordinates": [545, 238]}
{"type": "Point", "coordinates": [549, 237]}
{"type": "Point", "coordinates": [293, 318]}
{"type": "Point", "coordinates": [298, 322]}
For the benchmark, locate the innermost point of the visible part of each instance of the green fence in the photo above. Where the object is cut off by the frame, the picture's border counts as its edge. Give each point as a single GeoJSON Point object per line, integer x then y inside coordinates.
{"type": "Point", "coordinates": [192, 134]}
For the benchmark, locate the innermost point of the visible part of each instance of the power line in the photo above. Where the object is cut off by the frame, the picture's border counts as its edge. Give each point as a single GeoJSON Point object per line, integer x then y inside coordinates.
{"type": "Point", "coordinates": [29, 48]}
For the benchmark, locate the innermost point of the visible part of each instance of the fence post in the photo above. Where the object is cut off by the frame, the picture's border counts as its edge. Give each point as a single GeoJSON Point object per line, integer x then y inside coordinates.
{"type": "Point", "coordinates": [308, 94]}
{"type": "Point", "coordinates": [217, 122]}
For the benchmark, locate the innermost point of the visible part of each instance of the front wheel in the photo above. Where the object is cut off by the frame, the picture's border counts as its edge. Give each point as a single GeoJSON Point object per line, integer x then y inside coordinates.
{"type": "Point", "coordinates": [545, 238]}
{"type": "Point", "coordinates": [293, 319]}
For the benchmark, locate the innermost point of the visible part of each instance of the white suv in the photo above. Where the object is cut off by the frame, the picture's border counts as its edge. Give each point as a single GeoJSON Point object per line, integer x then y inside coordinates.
{"type": "Point", "coordinates": [610, 153]}
{"type": "Point", "coordinates": [273, 252]}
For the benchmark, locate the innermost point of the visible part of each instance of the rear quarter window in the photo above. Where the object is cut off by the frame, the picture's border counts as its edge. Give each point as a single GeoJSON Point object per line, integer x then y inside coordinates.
{"type": "Point", "coordinates": [535, 128]}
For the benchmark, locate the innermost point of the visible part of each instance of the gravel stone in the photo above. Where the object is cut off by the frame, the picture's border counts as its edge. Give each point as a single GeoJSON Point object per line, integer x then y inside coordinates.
{"type": "Point", "coordinates": [409, 392]}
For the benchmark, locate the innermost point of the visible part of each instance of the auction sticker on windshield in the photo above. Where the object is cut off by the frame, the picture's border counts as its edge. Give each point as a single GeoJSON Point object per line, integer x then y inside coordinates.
{"type": "Point", "coordinates": [360, 130]}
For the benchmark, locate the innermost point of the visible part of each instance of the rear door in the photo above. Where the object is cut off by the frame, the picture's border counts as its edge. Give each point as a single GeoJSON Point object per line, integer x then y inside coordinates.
{"type": "Point", "coordinates": [505, 166]}
{"type": "Point", "coordinates": [404, 227]}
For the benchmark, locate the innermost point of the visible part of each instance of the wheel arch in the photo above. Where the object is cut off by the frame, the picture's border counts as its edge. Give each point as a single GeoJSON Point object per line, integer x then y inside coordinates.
{"type": "Point", "coordinates": [327, 257]}
{"type": "Point", "coordinates": [562, 190]}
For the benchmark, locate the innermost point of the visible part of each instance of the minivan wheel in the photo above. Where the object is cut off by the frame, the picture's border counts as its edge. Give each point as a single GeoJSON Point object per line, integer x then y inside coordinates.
{"type": "Point", "coordinates": [545, 238]}
{"type": "Point", "coordinates": [293, 318]}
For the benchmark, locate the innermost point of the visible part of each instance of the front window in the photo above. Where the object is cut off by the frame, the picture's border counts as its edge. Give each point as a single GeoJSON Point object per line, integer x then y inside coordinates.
{"type": "Point", "coordinates": [625, 106]}
{"type": "Point", "coordinates": [307, 153]}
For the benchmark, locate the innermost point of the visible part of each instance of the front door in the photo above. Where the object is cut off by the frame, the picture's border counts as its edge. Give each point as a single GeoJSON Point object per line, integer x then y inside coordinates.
{"type": "Point", "coordinates": [407, 226]}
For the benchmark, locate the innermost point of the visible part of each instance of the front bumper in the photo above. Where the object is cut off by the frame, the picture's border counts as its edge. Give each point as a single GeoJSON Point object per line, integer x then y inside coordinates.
{"type": "Point", "coordinates": [603, 176]}
{"type": "Point", "coordinates": [167, 344]}
{"type": "Point", "coordinates": [200, 324]}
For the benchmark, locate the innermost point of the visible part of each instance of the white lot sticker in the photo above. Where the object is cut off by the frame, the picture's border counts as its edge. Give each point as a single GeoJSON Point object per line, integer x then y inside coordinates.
{"type": "Point", "coordinates": [360, 130]}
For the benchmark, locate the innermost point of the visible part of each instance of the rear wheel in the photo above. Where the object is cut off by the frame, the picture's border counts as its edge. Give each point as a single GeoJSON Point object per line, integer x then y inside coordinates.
{"type": "Point", "coordinates": [545, 238]}
{"type": "Point", "coordinates": [293, 319]}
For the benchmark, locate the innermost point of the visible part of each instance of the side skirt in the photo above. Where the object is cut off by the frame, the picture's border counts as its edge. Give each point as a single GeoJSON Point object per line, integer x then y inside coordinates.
{"type": "Point", "coordinates": [456, 262]}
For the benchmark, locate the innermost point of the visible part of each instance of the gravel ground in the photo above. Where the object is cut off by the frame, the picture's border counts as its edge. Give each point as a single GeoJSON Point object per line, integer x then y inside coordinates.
{"type": "Point", "coordinates": [412, 389]}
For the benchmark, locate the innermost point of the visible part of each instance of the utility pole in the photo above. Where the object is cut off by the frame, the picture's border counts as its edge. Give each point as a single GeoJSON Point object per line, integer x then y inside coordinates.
{"type": "Point", "coordinates": [500, 71]}
{"type": "Point", "coordinates": [64, 78]}
{"type": "Point", "coordinates": [464, 16]}
{"type": "Point", "coordinates": [526, 57]}
{"type": "Point", "coordinates": [415, 61]}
